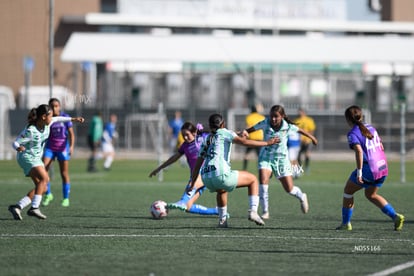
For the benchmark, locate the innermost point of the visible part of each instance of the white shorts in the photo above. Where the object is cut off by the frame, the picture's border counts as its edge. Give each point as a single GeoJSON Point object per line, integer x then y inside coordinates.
{"type": "Point", "coordinates": [107, 147]}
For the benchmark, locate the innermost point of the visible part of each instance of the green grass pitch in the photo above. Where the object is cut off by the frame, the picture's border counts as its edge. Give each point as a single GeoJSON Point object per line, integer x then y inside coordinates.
{"type": "Point", "coordinates": [107, 230]}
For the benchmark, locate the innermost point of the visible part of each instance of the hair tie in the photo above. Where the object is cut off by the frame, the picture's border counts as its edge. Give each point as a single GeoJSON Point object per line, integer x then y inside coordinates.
{"type": "Point", "coordinates": [199, 127]}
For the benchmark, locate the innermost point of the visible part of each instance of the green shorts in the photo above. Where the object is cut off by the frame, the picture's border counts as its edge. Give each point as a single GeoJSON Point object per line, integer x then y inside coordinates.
{"type": "Point", "coordinates": [227, 182]}
{"type": "Point", "coordinates": [27, 165]}
{"type": "Point", "coordinates": [280, 167]}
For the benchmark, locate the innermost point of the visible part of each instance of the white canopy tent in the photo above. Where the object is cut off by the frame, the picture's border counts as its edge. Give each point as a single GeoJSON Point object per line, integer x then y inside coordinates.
{"type": "Point", "coordinates": [105, 47]}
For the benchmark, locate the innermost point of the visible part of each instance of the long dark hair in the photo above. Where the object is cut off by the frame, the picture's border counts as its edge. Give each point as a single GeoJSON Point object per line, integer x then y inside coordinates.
{"type": "Point", "coordinates": [279, 109]}
{"type": "Point", "coordinates": [192, 128]}
{"type": "Point", "coordinates": [53, 100]}
{"type": "Point", "coordinates": [353, 114]}
{"type": "Point", "coordinates": [36, 113]}
{"type": "Point", "coordinates": [215, 121]}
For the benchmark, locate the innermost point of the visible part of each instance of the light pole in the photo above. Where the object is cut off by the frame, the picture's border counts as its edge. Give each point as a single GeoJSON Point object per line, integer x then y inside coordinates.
{"type": "Point", "coordinates": [51, 44]}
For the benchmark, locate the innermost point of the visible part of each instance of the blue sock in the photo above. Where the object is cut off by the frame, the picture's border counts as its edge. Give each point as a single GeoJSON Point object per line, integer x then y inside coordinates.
{"type": "Point", "coordinates": [346, 215]}
{"type": "Point", "coordinates": [66, 190]}
{"type": "Point", "coordinates": [186, 197]}
{"type": "Point", "coordinates": [48, 191]}
{"type": "Point", "coordinates": [202, 210]}
{"type": "Point", "coordinates": [389, 211]}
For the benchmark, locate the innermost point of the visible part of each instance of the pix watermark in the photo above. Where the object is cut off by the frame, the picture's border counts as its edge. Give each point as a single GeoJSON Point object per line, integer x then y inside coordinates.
{"type": "Point", "coordinates": [78, 99]}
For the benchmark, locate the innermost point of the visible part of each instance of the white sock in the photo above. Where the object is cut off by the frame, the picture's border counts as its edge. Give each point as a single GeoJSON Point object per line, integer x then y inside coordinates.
{"type": "Point", "coordinates": [296, 192]}
{"type": "Point", "coordinates": [108, 162]}
{"type": "Point", "coordinates": [264, 197]}
{"type": "Point", "coordinates": [222, 212]}
{"type": "Point", "coordinates": [254, 203]}
{"type": "Point", "coordinates": [37, 199]}
{"type": "Point", "coordinates": [24, 202]}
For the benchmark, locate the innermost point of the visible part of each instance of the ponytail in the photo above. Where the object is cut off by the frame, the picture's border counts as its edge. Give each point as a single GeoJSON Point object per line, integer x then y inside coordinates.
{"type": "Point", "coordinates": [31, 117]}
{"type": "Point", "coordinates": [36, 113]}
{"type": "Point", "coordinates": [353, 114]}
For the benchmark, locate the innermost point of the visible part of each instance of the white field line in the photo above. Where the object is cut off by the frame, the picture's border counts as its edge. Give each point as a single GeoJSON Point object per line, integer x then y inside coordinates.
{"type": "Point", "coordinates": [393, 269]}
{"type": "Point", "coordinates": [196, 236]}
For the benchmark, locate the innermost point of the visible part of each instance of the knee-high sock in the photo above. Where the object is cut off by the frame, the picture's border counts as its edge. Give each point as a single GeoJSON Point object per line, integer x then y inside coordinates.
{"type": "Point", "coordinates": [37, 199]}
{"type": "Point", "coordinates": [108, 162]}
{"type": "Point", "coordinates": [296, 192]}
{"type": "Point", "coordinates": [222, 212]}
{"type": "Point", "coordinates": [254, 203]}
{"type": "Point", "coordinates": [264, 197]}
{"type": "Point", "coordinates": [389, 211]}
{"type": "Point", "coordinates": [65, 190]}
{"type": "Point", "coordinates": [48, 191]}
{"type": "Point", "coordinates": [24, 202]}
{"type": "Point", "coordinates": [202, 210]}
{"type": "Point", "coordinates": [346, 215]}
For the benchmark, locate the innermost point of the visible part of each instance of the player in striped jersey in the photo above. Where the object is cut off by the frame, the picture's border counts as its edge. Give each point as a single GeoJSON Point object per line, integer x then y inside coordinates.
{"type": "Point", "coordinates": [29, 146]}
{"type": "Point", "coordinates": [213, 163]}
{"type": "Point", "coordinates": [274, 159]}
{"type": "Point", "coordinates": [193, 138]}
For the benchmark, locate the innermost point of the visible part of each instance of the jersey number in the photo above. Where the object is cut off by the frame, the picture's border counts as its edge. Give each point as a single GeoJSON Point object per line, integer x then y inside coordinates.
{"type": "Point", "coordinates": [374, 143]}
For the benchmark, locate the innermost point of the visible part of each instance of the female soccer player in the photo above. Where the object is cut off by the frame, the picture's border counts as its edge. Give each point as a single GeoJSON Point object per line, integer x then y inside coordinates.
{"type": "Point", "coordinates": [371, 169]}
{"type": "Point", "coordinates": [275, 158]}
{"type": "Point", "coordinates": [59, 146]}
{"type": "Point", "coordinates": [29, 146]}
{"type": "Point", "coordinates": [193, 137]}
{"type": "Point", "coordinates": [216, 171]}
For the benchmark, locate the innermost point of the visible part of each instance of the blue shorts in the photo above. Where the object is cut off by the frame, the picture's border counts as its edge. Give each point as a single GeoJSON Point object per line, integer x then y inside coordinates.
{"type": "Point", "coordinates": [368, 179]}
{"type": "Point", "coordinates": [60, 155]}
{"type": "Point", "coordinates": [227, 182]}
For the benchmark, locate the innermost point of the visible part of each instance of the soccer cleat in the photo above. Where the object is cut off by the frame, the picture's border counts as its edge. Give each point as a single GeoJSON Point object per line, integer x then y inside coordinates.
{"type": "Point", "coordinates": [35, 212]}
{"type": "Point", "coordinates": [47, 200]}
{"type": "Point", "coordinates": [304, 205]}
{"type": "Point", "coordinates": [265, 215]}
{"type": "Point", "coordinates": [16, 212]}
{"type": "Point", "coordinates": [65, 202]}
{"type": "Point", "coordinates": [253, 216]}
{"type": "Point", "coordinates": [223, 223]}
{"type": "Point", "coordinates": [177, 205]}
{"type": "Point", "coordinates": [398, 222]}
{"type": "Point", "coordinates": [347, 227]}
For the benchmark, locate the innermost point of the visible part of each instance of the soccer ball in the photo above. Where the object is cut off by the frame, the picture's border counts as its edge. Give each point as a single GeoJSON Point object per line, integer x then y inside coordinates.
{"type": "Point", "coordinates": [159, 209]}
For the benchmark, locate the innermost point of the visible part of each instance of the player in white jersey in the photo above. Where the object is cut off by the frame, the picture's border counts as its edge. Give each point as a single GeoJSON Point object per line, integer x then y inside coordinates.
{"type": "Point", "coordinates": [216, 172]}
{"type": "Point", "coordinates": [29, 146]}
{"type": "Point", "coordinates": [275, 159]}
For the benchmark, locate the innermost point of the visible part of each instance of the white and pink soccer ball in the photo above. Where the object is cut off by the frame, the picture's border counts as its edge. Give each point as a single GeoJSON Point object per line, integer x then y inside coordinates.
{"type": "Point", "coordinates": [159, 209]}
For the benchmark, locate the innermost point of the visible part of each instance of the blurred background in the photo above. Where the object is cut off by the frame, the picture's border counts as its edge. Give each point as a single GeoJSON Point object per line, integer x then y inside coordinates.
{"type": "Point", "coordinates": [146, 59]}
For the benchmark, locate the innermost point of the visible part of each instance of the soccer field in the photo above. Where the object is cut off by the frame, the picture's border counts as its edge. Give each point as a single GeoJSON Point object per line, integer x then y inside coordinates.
{"type": "Point", "coordinates": [107, 230]}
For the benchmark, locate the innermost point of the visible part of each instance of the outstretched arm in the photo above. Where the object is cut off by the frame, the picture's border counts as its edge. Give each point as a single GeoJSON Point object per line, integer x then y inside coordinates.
{"type": "Point", "coordinates": [310, 136]}
{"type": "Point", "coordinates": [169, 161]}
{"type": "Point", "coordinates": [242, 140]}
{"type": "Point", "coordinates": [64, 119]}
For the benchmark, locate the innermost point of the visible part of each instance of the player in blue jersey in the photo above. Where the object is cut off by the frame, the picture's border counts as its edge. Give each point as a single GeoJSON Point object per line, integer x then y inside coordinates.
{"type": "Point", "coordinates": [29, 146]}
{"type": "Point", "coordinates": [371, 169]}
{"type": "Point", "coordinates": [216, 172]}
{"type": "Point", "coordinates": [108, 136]}
{"type": "Point", "coordinates": [59, 146]}
{"type": "Point", "coordinates": [293, 145]}
{"type": "Point", "coordinates": [193, 138]}
{"type": "Point", "coordinates": [274, 159]}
